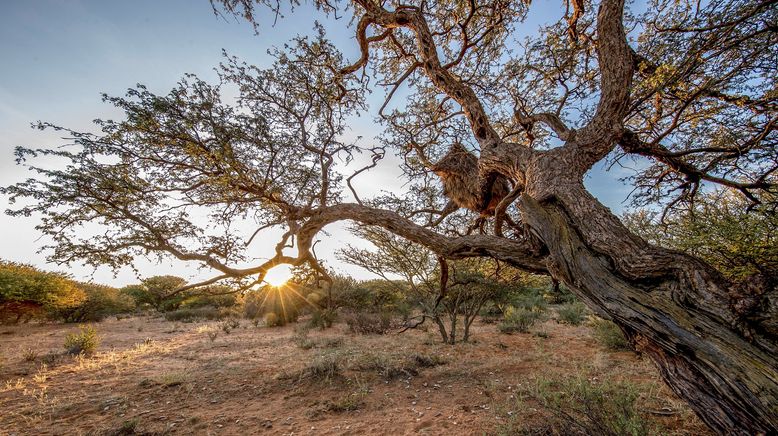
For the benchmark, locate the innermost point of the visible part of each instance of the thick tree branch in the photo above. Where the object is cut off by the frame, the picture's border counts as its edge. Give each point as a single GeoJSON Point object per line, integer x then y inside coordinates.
{"type": "Point", "coordinates": [598, 137]}
{"type": "Point", "coordinates": [413, 19]}
{"type": "Point", "coordinates": [517, 253]}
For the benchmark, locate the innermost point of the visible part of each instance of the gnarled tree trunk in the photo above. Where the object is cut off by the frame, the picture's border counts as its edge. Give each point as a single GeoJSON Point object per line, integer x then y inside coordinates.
{"type": "Point", "coordinates": [672, 307]}
{"type": "Point", "coordinates": [676, 309]}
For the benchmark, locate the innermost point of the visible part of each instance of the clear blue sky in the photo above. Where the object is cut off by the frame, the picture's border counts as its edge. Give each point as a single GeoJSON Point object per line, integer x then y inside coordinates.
{"type": "Point", "coordinates": [59, 55]}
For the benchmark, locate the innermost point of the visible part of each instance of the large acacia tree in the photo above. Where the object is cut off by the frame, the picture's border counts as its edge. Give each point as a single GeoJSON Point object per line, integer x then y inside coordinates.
{"type": "Point", "coordinates": [689, 87]}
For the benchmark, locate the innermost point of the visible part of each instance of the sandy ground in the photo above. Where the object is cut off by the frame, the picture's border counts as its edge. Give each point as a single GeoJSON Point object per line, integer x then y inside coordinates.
{"type": "Point", "coordinates": [151, 376]}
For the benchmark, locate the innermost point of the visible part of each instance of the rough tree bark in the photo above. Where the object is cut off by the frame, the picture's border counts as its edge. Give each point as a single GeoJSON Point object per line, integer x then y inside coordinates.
{"type": "Point", "coordinates": [674, 308]}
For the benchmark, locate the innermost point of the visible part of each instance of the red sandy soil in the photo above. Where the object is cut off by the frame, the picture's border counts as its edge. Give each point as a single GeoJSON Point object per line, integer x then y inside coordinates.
{"type": "Point", "coordinates": [160, 377]}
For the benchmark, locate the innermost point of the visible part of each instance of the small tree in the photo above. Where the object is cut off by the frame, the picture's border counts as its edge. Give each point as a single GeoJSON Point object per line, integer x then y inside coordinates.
{"type": "Point", "coordinates": [213, 296]}
{"type": "Point", "coordinates": [100, 301]}
{"type": "Point", "coordinates": [370, 295]}
{"type": "Point", "coordinates": [443, 291]}
{"type": "Point", "coordinates": [160, 292]}
{"type": "Point", "coordinates": [472, 284]}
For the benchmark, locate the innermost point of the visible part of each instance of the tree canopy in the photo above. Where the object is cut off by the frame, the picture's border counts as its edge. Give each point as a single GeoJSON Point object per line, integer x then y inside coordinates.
{"type": "Point", "coordinates": [494, 129]}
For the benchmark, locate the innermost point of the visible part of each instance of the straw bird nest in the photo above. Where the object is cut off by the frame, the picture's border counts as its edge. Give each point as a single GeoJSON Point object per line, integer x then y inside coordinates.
{"type": "Point", "coordinates": [458, 170]}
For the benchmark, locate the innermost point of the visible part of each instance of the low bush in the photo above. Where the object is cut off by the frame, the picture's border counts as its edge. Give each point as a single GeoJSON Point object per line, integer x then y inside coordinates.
{"type": "Point", "coordinates": [212, 296]}
{"type": "Point", "coordinates": [427, 360]}
{"type": "Point", "coordinates": [304, 342]}
{"type": "Point", "coordinates": [581, 406]}
{"type": "Point", "coordinates": [394, 366]}
{"type": "Point", "coordinates": [229, 325]}
{"type": "Point", "coordinates": [27, 292]}
{"type": "Point", "coordinates": [529, 301]}
{"type": "Point", "coordinates": [158, 292]}
{"type": "Point", "coordinates": [100, 302]}
{"type": "Point", "coordinates": [331, 342]}
{"type": "Point", "coordinates": [315, 299]}
{"type": "Point", "coordinates": [252, 306]}
{"type": "Point", "coordinates": [195, 314]}
{"type": "Point", "coordinates": [572, 313]}
{"type": "Point", "coordinates": [610, 335]}
{"type": "Point", "coordinates": [30, 355]}
{"type": "Point", "coordinates": [322, 318]}
{"type": "Point", "coordinates": [272, 320]}
{"type": "Point", "coordinates": [127, 428]}
{"type": "Point", "coordinates": [399, 370]}
{"type": "Point", "coordinates": [490, 313]}
{"type": "Point", "coordinates": [323, 368]}
{"type": "Point", "coordinates": [519, 320]}
{"type": "Point", "coordinates": [367, 323]}
{"type": "Point", "coordinates": [83, 342]}
{"type": "Point", "coordinates": [349, 403]}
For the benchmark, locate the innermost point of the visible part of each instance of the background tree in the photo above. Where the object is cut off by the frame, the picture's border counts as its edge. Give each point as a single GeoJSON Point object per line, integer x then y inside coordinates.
{"type": "Point", "coordinates": [470, 285]}
{"type": "Point", "coordinates": [721, 227]}
{"type": "Point", "coordinates": [159, 292]}
{"type": "Point", "coordinates": [26, 291]}
{"type": "Point", "coordinates": [416, 267]}
{"type": "Point", "coordinates": [99, 302]}
{"type": "Point", "coordinates": [445, 292]}
{"type": "Point", "coordinates": [694, 96]}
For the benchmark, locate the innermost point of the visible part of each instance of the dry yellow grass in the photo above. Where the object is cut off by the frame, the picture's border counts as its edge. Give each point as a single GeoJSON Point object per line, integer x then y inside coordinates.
{"type": "Point", "coordinates": [156, 376]}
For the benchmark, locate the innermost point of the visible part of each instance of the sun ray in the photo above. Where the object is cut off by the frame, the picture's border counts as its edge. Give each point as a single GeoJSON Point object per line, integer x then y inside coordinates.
{"type": "Point", "coordinates": [278, 275]}
{"type": "Point", "coordinates": [291, 288]}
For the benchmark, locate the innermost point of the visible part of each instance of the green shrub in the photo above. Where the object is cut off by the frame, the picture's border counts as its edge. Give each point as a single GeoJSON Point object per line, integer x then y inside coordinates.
{"type": "Point", "coordinates": [610, 335]}
{"type": "Point", "coordinates": [572, 313]}
{"type": "Point", "coordinates": [530, 301]}
{"type": "Point", "coordinates": [272, 320]}
{"type": "Point", "coordinates": [490, 313]}
{"type": "Point", "coordinates": [322, 318]}
{"type": "Point", "coordinates": [194, 314]}
{"type": "Point", "coordinates": [366, 323]}
{"type": "Point", "coordinates": [314, 299]}
{"type": "Point", "coordinates": [398, 370]}
{"type": "Point", "coordinates": [388, 366]}
{"type": "Point", "coordinates": [301, 338]}
{"type": "Point", "coordinates": [219, 296]}
{"type": "Point", "coordinates": [370, 296]}
{"type": "Point", "coordinates": [100, 302]}
{"type": "Point", "coordinates": [158, 292]}
{"type": "Point", "coordinates": [27, 292]}
{"type": "Point", "coordinates": [331, 342]}
{"type": "Point", "coordinates": [252, 305]}
{"type": "Point", "coordinates": [519, 320]}
{"type": "Point", "coordinates": [127, 428]}
{"type": "Point", "coordinates": [304, 342]}
{"type": "Point", "coordinates": [349, 403]}
{"type": "Point", "coordinates": [580, 406]}
{"type": "Point", "coordinates": [86, 341]}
